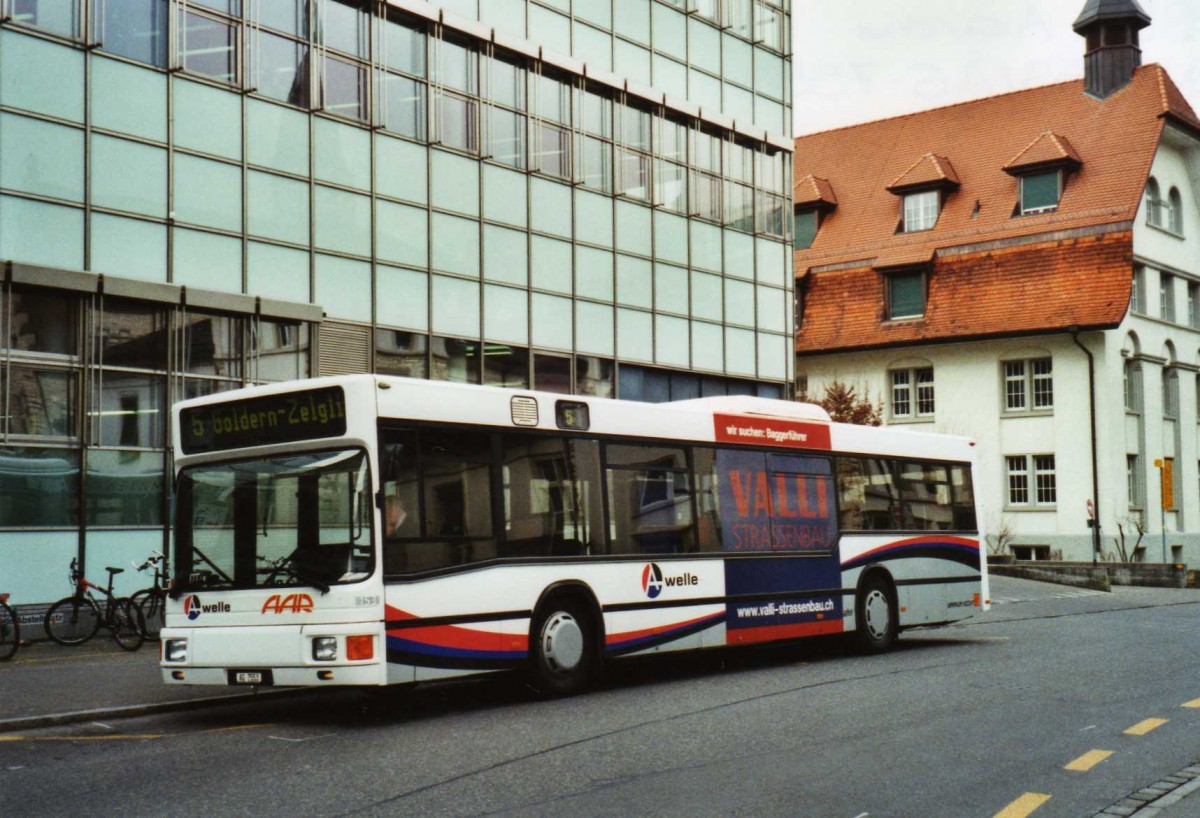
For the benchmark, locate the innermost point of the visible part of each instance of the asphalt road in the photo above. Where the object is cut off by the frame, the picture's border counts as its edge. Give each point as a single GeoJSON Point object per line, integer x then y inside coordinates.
{"type": "Point", "coordinates": [958, 722]}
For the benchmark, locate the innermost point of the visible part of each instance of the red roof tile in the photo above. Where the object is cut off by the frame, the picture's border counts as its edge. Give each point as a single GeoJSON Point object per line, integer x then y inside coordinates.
{"type": "Point", "coordinates": [928, 171]}
{"type": "Point", "coordinates": [813, 191]}
{"type": "Point", "coordinates": [1047, 149]}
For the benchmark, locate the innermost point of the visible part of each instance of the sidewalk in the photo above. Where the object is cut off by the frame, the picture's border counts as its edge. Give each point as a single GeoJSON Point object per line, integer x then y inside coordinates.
{"type": "Point", "coordinates": [46, 684]}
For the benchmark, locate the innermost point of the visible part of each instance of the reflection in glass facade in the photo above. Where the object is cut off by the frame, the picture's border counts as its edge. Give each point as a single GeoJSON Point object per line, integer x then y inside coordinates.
{"type": "Point", "coordinates": [287, 188]}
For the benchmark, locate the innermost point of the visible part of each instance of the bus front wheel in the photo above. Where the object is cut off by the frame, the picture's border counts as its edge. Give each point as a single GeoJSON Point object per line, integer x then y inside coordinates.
{"type": "Point", "coordinates": [877, 625]}
{"type": "Point", "coordinates": [564, 653]}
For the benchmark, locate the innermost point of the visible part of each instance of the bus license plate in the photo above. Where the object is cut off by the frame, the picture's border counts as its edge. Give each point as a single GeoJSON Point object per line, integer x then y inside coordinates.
{"type": "Point", "coordinates": [249, 677]}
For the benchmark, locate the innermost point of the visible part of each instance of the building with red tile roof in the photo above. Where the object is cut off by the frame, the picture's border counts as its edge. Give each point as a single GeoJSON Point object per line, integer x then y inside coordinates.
{"type": "Point", "coordinates": [987, 268]}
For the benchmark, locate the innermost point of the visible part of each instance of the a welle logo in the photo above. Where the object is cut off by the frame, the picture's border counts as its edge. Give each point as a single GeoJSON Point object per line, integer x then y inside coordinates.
{"type": "Point", "coordinates": [653, 580]}
{"type": "Point", "coordinates": [193, 607]}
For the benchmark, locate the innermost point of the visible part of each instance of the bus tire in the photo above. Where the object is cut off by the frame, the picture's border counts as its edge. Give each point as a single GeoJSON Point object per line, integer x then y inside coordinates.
{"type": "Point", "coordinates": [563, 652]}
{"type": "Point", "coordinates": [876, 622]}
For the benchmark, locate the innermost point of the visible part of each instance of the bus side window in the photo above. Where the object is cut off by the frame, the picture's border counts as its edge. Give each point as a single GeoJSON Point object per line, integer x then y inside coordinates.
{"type": "Point", "coordinates": [399, 477]}
{"type": "Point", "coordinates": [708, 500]}
{"type": "Point", "coordinates": [551, 496]}
{"type": "Point", "coordinates": [964, 499]}
{"type": "Point", "coordinates": [925, 491]}
{"type": "Point", "coordinates": [867, 495]}
{"type": "Point", "coordinates": [456, 498]}
{"type": "Point", "coordinates": [649, 500]}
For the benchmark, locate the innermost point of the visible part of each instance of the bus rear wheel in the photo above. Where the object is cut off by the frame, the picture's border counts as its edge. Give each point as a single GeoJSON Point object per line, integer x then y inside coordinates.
{"type": "Point", "coordinates": [877, 625]}
{"type": "Point", "coordinates": [564, 654]}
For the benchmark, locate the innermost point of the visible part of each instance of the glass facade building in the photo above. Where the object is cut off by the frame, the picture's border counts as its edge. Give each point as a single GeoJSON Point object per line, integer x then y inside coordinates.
{"type": "Point", "coordinates": [584, 196]}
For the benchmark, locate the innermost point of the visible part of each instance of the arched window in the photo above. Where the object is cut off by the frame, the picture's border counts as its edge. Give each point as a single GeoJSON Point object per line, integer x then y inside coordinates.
{"type": "Point", "coordinates": [1175, 202]}
{"type": "Point", "coordinates": [1133, 386]}
{"type": "Point", "coordinates": [1153, 203]}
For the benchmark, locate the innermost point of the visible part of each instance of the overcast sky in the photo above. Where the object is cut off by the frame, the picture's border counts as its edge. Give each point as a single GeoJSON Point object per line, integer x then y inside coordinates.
{"type": "Point", "coordinates": [858, 60]}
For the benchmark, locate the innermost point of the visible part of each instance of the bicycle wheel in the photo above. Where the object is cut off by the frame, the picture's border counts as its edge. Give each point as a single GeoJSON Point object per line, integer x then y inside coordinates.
{"type": "Point", "coordinates": [153, 606]}
{"type": "Point", "coordinates": [72, 620]}
{"type": "Point", "coordinates": [10, 632]}
{"type": "Point", "coordinates": [125, 622]}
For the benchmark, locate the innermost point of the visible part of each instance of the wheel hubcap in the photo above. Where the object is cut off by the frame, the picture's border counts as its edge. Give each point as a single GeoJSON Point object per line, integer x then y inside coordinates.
{"type": "Point", "coordinates": [878, 614]}
{"type": "Point", "coordinates": [562, 642]}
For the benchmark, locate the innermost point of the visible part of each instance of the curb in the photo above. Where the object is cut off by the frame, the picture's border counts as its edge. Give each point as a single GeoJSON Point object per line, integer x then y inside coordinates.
{"type": "Point", "coordinates": [135, 710]}
{"type": "Point", "coordinates": [1150, 801]}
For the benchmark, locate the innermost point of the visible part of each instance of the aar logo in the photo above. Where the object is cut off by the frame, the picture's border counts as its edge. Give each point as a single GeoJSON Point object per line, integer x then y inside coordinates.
{"type": "Point", "coordinates": [652, 580]}
{"type": "Point", "coordinates": [191, 607]}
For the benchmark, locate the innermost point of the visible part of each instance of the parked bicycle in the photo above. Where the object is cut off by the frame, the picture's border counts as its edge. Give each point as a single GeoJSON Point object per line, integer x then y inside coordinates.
{"type": "Point", "coordinates": [152, 601]}
{"type": "Point", "coordinates": [75, 619]}
{"type": "Point", "coordinates": [10, 630]}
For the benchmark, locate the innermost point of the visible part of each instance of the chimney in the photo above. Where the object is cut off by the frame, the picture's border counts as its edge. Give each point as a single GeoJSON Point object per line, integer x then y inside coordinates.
{"type": "Point", "coordinates": [1112, 55]}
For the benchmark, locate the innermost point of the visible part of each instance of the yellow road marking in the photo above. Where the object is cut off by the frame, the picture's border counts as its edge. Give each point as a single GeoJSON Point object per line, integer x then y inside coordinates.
{"type": "Point", "coordinates": [1088, 760]}
{"type": "Point", "coordinates": [1192, 703]}
{"type": "Point", "coordinates": [1023, 806]}
{"type": "Point", "coordinates": [1144, 727]}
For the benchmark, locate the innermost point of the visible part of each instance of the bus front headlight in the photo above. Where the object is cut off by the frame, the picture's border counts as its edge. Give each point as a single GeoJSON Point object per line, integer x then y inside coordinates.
{"type": "Point", "coordinates": [324, 649]}
{"type": "Point", "coordinates": [175, 650]}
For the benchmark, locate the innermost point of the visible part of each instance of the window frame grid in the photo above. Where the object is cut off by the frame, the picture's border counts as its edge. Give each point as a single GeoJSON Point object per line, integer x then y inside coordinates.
{"type": "Point", "coordinates": [1031, 482]}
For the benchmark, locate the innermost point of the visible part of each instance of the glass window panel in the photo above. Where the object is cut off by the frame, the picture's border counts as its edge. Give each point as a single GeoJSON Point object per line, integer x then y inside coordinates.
{"type": "Point", "coordinates": [906, 295]}
{"type": "Point", "coordinates": [554, 100]}
{"type": "Point", "coordinates": [505, 255]}
{"type": "Point", "coordinates": [706, 296]}
{"type": "Point", "coordinates": [40, 402]}
{"type": "Point", "coordinates": [633, 174]}
{"type": "Point", "coordinates": [404, 106]}
{"type": "Point", "coordinates": [129, 176]}
{"type": "Point", "coordinates": [455, 245]}
{"type": "Point", "coordinates": [739, 351]}
{"type": "Point", "coordinates": [344, 88]}
{"type": "Point", "coordinates": [633, 228]}
{"type": "Point", "coordinates": [41, 233]}
{"type": "Point", "coordinates": [597, 114]}
{"type": "Point", "coordinates": [508, 16]}
{"type": "Point", "coordinates": [131, 410]}
{"type": "Point", "coordinates": [550, 29]}
{"type": "Point", "coordinates": [508, 138]}
{"type": "Point", "coordinates": [670, 31]}
{"type": "Point", "coordinates": [634, 282]}
{"type": "Point", "coordinates": [206, 119]}
{"type": "Point", "coordinates": [550, 205]}
{"type": "Point", "coordinates": [598, 319]}
{"type": "Point", "coordinates": [130, 99]}
{"type": "Point", "coordinates": [344, 26]}
{"type": "Point", "coordinates": [280, 350]}
{"type": "Point", "coordinates": [402, 298]}
{"type": "Point", "coordinates": [634, 61]}
{"type": "Point", "coordinates": [1039, 191]}
{"type": "Point", "coordinates": [739, 206]}
{"type": "Point", "coordinates": [281, 69]}
{"type": "Point", "coordinates": [277, 137]}
{"type": "Point", "coordinates": [671, 288]}
{"type": "Point", "coordinates": [277, 272]}
{"type": "Point", "coordinates": [505, 366]}
{"type": "Point", "coordinates": [670, 186]}
{"type": "Point", "coordinates": [806, 229]}
{"type": "Point", "coordinates": [552, 322]}
{"type": "Point", "coordinates": [551, 264]}
{"type": "Point", "coordinates": [454, 360]}
{"type": "Point", "coordinates": [594, 218]}
{"type": "Point", "coordinates": [768, 26]}
{"type": "Point", "coordinates": [455, 307]}
{"type": "Point", "coordinates": [507, 85]}
{"type": "Point", "coordinates": [593, 46]}
{"type": "Point", "coordinates": [208, 46]}
{"type": "Point", "coordinates": [505, 317]}
{"type": "Point", "coordinates": [56, 16]}
{"type": "Point", "coordinates": [278, 207]}
{"type": "Point", "coordinates": [43, 321]}
{"type": "Point", "coordinates": [208, 193]}
{"type": "Point", "coordinates": [136, 29]}
{"type": "Point", "coordinates": [670, 237]}
{"type": "Point", "coordinates": [635, 337]}
{"type": "Point", "coordinates": [403, 45]}
{"type": "Point", "coordinates": [631, 18]}
{"type": "Point", "coordinates": [401, 233]}
{"type": "Point", "coordinates": [129, 247]}
{"type": "Point", "coordinates": [593, 273]}
{"type": "Point", "coordinates": [209, 261]}
{"type": "Point", "coordinates": [457, 122]}
{"type": "Point", "coordinates": [635, 128]}
{"type": "Point", "coordinates": [708, 348]}
{"type": "Point", "coordinates": [455, 183]}
{"type": "Point", "coordinates": [595, 376]}
{"type": "Point", "coordinates": [41, 76]}
{"type": "Point", "coordinates": [230, 7]}
{"type": "Point", "coordinates": [553, 145]}
{"type": "Point", "coordinates": [459, 67]}
{"type": "Point", "coordinates": [41, 158]}
{"type": "Point", "coordinates": [671, 342]}
{"type": "Point", "coordinates": [342, 287]}
{"type": "Point", "coordinates": [132, 335]}
{"type": "Point", "coordinates": [552, 373]}
{"type": "Point", "coordinates": [402, 353]}
{"type": "Point", "coordinates": [400, 169]}
{"type": "Point", "coordinates": [342, 221]}
{"type": "Point", "coordinates": [288, 16]}
{"type": "Point", "coordinates": [594, 162]}
{"type": "Point", "coordinates": [124, 488]}
{"type": "Point", "coordinates": [505, 196]}
{"type": "Point", "coordinates": [39, 487]}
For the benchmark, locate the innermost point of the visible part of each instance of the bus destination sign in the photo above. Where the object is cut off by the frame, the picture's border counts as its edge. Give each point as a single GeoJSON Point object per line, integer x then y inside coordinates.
{"type": "Point", "coordinates": [283, 418]}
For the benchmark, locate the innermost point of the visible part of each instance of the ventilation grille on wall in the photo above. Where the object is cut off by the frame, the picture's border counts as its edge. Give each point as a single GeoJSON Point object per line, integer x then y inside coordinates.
{"type": "Point", "coordinates": [343, 349]}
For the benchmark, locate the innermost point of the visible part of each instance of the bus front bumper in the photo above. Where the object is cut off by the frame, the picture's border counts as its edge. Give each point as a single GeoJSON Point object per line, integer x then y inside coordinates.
{"type": "Point", "coordinates": [274, 656]}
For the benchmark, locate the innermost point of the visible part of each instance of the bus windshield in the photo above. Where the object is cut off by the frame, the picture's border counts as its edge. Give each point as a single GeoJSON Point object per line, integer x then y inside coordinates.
{"type": "Point", "coordinates": [290, 520]}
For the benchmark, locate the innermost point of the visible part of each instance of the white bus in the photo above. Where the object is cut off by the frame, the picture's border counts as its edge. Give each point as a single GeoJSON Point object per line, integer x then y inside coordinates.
{"type": "Point", "coordinates": [368, 530]}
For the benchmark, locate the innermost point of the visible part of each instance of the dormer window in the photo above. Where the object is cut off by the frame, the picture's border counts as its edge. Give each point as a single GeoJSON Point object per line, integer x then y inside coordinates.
{"type": "Point", "coordinates": [813, 199]}
{"type": "Point", "coordinates": [807, 222]}
{"type": "Point", "coordinates": [905, 295]}
{"type": "Point", "coordinates": [921, 210]}
{"type": "Point", "coordinates": [1040, 192]}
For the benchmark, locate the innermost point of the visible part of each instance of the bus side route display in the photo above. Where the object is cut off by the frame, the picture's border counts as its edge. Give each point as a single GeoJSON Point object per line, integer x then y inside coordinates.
{"type": "Point", "coordinates": [283, 418]}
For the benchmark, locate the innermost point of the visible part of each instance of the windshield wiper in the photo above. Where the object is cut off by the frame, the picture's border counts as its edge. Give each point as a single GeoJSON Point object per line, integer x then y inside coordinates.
{"type": "Point", "coordinates": [291, 568]}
